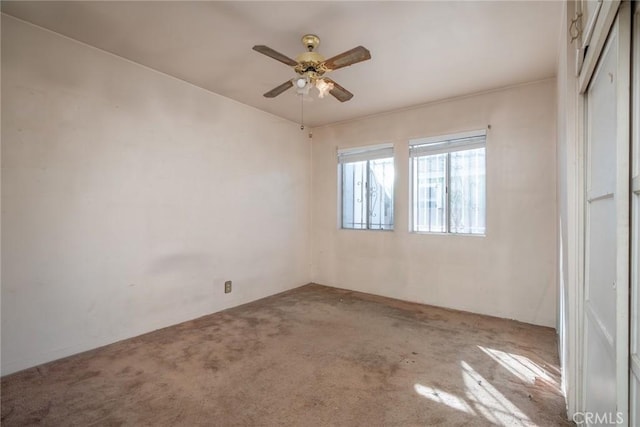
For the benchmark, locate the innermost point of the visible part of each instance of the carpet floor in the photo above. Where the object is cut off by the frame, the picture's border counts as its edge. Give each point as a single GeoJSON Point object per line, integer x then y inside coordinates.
{"type": "Point", "coordinates": [313, 356]}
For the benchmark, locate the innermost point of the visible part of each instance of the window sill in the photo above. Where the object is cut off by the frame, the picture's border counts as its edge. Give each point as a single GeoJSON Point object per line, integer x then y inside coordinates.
{"type": "Point", "coordinates": [365, 229]}
{"type": "Point", "coordinates": [431, 233]}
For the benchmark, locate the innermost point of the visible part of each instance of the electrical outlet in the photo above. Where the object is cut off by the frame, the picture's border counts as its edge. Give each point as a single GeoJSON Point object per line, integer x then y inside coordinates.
{"type": "Point", "coordinates": [227, 286]}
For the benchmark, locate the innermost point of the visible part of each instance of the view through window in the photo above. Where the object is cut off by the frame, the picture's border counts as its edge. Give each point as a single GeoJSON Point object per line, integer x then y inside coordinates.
{"type": "Point", "coordinates": [448, 179]}
{"type": "Point", "coordinates": [367, 181]}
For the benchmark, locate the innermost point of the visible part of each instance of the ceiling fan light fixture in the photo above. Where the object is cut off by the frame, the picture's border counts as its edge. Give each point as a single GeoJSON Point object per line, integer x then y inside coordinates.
{"type": "Point", "coordinates": [300, 82]}
{"type": "Point", "coordinates": [323, 87]}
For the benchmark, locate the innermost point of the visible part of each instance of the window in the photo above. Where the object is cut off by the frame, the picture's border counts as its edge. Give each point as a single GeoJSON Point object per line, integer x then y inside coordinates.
{"type": "Point", "coordinates": [448, 184]}
{"type": "Point", "coordinates": [366, 177]}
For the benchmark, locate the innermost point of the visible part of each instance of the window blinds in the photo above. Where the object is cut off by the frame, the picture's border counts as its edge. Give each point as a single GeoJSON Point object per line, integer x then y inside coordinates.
{"type": "Point", "coordinates": [447, 143]}
{"type": "Point", "coordinates": [359, 154]}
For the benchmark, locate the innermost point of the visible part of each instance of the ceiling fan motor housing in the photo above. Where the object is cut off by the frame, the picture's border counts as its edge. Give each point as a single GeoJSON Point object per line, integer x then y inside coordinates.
{"type": "Point", "coordinates": [310, 61]}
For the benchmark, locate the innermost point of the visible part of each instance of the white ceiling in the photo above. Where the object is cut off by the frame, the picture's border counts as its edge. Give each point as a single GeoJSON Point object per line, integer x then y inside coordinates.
{"type": "Point", "coordinates": [421, 51]}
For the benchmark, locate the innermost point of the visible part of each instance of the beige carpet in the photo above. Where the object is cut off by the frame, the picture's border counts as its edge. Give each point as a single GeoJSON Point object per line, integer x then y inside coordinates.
{"type": "Point", "coordinates": [311, 356]}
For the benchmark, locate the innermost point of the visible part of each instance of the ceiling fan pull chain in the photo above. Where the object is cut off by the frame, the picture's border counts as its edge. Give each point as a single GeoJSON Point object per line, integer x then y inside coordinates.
{"type": "Point", "coordinates": [301, 112]}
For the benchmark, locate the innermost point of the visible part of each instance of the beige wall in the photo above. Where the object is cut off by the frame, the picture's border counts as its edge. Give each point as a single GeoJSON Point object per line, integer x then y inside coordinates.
{"type": "Point", "coordinates": [510, 272]}
{"type": "Point", "coordinates": [129, 197]}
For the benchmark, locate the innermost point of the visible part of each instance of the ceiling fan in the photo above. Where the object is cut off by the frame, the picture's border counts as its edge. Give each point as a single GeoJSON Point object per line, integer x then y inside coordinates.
{"type": "Point", "coordinates": [311, 67]}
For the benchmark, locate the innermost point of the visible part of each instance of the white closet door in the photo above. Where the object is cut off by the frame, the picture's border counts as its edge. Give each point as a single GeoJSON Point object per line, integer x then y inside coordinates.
{"type": "Point", "coordinates": [606, 293]}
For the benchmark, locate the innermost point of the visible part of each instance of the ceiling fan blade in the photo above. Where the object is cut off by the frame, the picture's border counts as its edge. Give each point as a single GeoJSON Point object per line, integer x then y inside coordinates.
{"type": "Point", "coordinates": [350, 57]}
{"type": "Point", "coordinates": [275, 55]}
{"type": "Point", "coordinates": [338, 92]}
{"type": "Point", "coordinates": [279, 89]}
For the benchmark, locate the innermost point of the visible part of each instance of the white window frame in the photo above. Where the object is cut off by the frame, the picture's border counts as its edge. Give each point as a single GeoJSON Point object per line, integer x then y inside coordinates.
{"type": "Point", "coordinates": [357, 154]}
{"type": "Point", "coordinates": [445, 144]}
